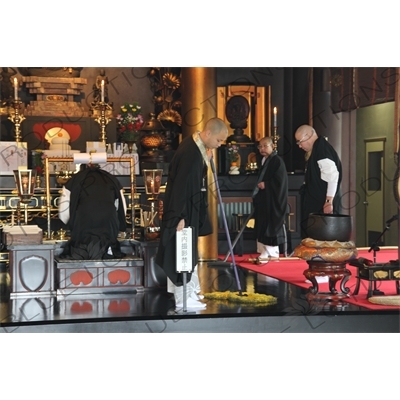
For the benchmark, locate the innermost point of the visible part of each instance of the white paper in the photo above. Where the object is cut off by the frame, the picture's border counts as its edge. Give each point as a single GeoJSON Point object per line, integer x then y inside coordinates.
{"type": "Point", "coordinates": [184, 250]}
{"type": "Point", "coordinates": [12, 156]}
{"type": "Point", "coordinates": [98, 158]}
{"type": "Point", "coordinates": [81, 158]}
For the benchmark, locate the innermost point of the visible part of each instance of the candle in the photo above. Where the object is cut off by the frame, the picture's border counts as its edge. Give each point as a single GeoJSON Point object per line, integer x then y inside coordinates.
{"type": "Point", "coordinates": [15, 88]}
{"type": "Point", "coordinates": [275, 117]}
{"type": "Point", "coordinates": [102, 91]}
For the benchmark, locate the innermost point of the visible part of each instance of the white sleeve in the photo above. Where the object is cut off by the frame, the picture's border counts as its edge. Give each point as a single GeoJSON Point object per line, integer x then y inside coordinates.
{"type": "Point", "coordinates": [329, 174]}
{"type": "Point", "coordinates": [63, 206]}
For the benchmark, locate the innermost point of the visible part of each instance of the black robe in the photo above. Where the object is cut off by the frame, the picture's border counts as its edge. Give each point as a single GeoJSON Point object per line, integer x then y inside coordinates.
{"type": "Point", "coordinates": [270, 204]}
{"type": "Point", "coordinates": [94, 220]}
{"type": "Point", "coordinates": [313, 190]}
{"type": "Point", "coordinates": [185, 198]}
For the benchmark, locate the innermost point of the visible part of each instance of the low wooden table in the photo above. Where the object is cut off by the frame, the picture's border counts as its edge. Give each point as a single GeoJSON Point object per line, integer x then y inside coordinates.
{"type": "Point", "coordinates": [335, 271]}
{"type": "Point", "coordinates": [389, 271]}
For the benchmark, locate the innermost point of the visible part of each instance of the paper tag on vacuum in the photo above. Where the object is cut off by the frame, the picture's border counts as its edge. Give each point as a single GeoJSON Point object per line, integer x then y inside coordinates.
{"type": "Point", "coordinates": [184, 259]}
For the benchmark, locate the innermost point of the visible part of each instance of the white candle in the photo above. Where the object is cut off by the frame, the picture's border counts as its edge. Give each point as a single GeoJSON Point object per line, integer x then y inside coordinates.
{"type": "Point", "coordinates": [102, 91]}
{"type": "Point", "coordinates": [275, 117]}
{"type": "Point", "coordinates": [15, 88]}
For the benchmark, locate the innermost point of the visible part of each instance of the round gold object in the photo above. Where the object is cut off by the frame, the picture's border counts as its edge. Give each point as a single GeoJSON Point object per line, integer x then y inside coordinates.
{"type": "Point", "coordinates": [170, 116]}
{"type": "Point", "coordinates": [62, 177]}
{"type": "Point", "coordinates": [151, 141]}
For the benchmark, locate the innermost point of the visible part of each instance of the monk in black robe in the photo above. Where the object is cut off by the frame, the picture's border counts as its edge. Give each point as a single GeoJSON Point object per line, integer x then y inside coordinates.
{"type": "Point", "coordinates": [270, 202]}
{"type": "Point", "coordinates": [185, 203]}
{"type": "Point", "coordinates": [320, 192]}
{"type": "Point", "coordinates": [93, 208]}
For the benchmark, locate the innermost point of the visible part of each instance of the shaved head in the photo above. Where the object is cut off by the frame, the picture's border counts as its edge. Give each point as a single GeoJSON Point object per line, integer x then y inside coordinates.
{"type": "Point", "coordinates": [215, 125]}
{"type": "Point", "coordinates": [305, 137]}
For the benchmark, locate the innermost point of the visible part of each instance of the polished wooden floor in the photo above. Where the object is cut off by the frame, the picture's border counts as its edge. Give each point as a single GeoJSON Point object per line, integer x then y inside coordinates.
{"type": "Point", "coordinates": [154, 310]}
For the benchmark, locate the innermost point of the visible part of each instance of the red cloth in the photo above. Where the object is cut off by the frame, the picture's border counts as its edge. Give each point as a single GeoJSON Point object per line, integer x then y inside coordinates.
{"type": "Point", "coordinates": [291, 271]}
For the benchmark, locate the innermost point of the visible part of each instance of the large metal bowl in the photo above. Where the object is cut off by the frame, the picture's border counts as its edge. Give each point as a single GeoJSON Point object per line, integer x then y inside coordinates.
{"type": "Point", "coordinates": [329, 227]}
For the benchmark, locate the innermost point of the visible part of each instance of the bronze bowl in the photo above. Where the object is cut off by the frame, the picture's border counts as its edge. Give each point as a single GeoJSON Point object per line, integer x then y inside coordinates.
{"type": "Point", "coordinates": [329, 227]}
{"type": "Point", "coordinates": [62, 177]}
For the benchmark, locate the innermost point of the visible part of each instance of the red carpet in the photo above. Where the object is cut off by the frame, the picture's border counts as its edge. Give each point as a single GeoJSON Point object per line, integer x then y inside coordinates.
{"type": "Point", "coordinates": [291, 271]}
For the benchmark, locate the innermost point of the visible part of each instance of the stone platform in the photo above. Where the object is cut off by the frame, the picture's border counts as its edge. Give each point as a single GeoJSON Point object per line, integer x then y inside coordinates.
{"type": "Point", "coordinates": [31, 270]}
{"type": "Point", "coordinates": [99, 276]}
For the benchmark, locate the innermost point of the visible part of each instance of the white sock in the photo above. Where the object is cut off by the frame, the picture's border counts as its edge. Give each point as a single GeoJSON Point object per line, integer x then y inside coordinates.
{"type": "Point", "coordinates": [170, 286]}
{"type": "Point", "coordinates": [192, 298]}
{"type": "Point", "coordinates": [194, 285]}
{"type": "Point", "coordinates": [267, 251]}
{"type": "Point", "coordinates": [273, 251]}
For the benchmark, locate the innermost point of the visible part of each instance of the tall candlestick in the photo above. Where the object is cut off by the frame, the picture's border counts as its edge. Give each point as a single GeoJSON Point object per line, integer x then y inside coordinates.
{"type": "Point", "coordinates": [275, 117]}
{"type": "Point", "coordinates": [15, 88]}
{"type": "Point", "coordinates": [102, 91]}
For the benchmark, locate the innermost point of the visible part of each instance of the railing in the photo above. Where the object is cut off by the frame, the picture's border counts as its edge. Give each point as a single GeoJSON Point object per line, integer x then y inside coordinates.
{"type": "Point", "coordinates": [234, 206]}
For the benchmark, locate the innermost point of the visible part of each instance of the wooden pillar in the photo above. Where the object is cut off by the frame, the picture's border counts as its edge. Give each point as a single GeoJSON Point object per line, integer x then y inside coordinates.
{"type": "Point", "coordinates": [199, 92]}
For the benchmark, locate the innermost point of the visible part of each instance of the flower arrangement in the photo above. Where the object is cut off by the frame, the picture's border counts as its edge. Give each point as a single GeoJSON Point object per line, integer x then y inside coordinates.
{"type": "Point", "coordinates": [38, 157]}
{"type": "Point", "coordinates": [233, 152]}
{"type": "Point", "coordinates": [130, 121]}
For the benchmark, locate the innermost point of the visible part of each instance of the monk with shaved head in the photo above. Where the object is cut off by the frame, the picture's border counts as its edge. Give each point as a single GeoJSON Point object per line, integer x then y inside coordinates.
{"type": "Point", "coordinates": [320, 192]}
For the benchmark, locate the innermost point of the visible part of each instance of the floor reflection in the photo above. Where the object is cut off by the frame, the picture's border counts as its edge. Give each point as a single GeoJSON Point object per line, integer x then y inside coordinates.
{"type": "Point", "coordinates": [291, 300]}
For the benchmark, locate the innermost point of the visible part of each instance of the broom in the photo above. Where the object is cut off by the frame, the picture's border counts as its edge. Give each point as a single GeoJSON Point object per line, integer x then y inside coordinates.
{"type": "Point", "coordinates": [217, 264]}
{"type": "Point", "coordinates": [236, 297]}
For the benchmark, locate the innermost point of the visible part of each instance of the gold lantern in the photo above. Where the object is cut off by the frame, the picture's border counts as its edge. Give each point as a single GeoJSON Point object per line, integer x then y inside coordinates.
{"type": "Point", "coordinates": [25, 180]}
{"type": "Point", "coordinates": [152, 182]}
{"type": "Point", "coordinates": [152, 140]}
